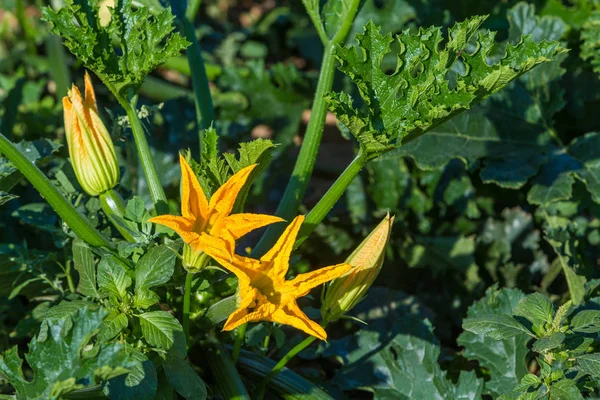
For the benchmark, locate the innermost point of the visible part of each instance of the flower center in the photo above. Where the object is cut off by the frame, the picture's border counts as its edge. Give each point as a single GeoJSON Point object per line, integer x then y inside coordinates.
{"type": "Point", "coordinates": [265, 285]}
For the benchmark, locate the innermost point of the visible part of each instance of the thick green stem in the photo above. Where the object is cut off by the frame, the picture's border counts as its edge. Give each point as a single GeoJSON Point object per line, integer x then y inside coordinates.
{"type": "Point", "coordinates": [79, 224]}
{"type": "Point", "coordinates": [154, 186]}
{"type": "Point", "coordinates": [113, 206]}
{"type": "Point", "coordinates": [187, 293]}
{"type": "Point", "coordinates": [305, 163]}
{"type": "Point", "coordinates": [239, 339]}
{"type": "Point", "coordinates": [320, 210]}
{"type": "Point", "coordinates": [294, 192]}
{"type": "Point", "coordinates": [205, 112]}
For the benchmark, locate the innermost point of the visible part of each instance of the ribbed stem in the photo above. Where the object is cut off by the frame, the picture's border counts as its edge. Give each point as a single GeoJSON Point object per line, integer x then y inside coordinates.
{"type": "Point", "coordinates": [154, 186]}
{"type": "Point", "coordinates": [78, 223]}
{"type": "Point", "coordinates": [187, 293]}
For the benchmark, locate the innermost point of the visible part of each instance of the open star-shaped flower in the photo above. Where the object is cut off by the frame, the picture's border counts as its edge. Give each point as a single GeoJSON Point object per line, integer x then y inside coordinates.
{"type": "Point", "coordinates": [265, 294]}
{"type": "Point", "coordinates": [205, 224]}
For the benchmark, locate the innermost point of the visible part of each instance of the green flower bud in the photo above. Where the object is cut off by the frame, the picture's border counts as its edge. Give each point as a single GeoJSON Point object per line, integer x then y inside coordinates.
{"type": "Point", "coordinates": [90, 147]}
{"type": "Point", "coordinates": [343, 293]}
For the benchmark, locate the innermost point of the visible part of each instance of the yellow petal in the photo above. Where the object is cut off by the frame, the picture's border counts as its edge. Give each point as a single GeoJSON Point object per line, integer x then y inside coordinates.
{"type": "Point", "coordinates": [242, 310]}
{"type": "Point", "coordinates": [279, 254]}
{"type": "Point", "coordinates": [262, 313]}
{"type": "Point", "coordinates": [68, 114]}
{"type": "Point", "coordinates": [292, 315]}
{"type": "Point", "coordinates": [193, 200]}
{"type": "Point", "coordinates": [224, 198]}
{"type": "Point", "coordinates": [303, 283]}
{"type": "Point", "coordinates": [243, 267]}
{"type": "Point", "coordinates": [183, 226]}
{"type": "Point", "coordinates": [240, 224]}
{"type": "Point", "coordinates": [90, 95]}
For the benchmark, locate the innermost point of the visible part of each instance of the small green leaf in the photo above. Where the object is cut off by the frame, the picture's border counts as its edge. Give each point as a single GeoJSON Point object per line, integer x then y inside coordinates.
{"type": "Point", "coordinates": [587, 321]}
{"type": "Point", "coordinates": [590, 363]}
{"type": "Point", "coordinates": [83, 261]}
{"type": "Point", "coordinates": [154, 268]}
{"type": "Point", "coordinates": [139, 384]}
{"type": "Point", "coordinates": [145, 298]}
{"type": "Point", "coordinates": [162, 330]}
{"type": "Point", "coordinates": [549, 342]}
{"type": "Point", "coordinates": [112, 277]}
{"type": "Point", "coordinates": [183, 379]}
{"type": "Point", "coordinates": [565, 389]}
{"type": "Point", "coordinates": [537, 308]}
{"type": "Point", "coordinates": [496, 326]}
{"type": "Point", "coordinates": [113, 324]}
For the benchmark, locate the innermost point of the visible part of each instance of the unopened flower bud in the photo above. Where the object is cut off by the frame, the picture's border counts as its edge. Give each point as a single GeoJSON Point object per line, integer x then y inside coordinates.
{"type": "Point", "coordinates": [343, 293]}
{"type": "Point", "coordinates": [90, 147]}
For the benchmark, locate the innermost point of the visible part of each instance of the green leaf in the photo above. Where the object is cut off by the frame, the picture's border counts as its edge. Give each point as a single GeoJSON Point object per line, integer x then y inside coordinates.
{"type": "Point", "coordinates": [419, 90]}
{"type": "Point", "coordinates": [505, 359]}
{"type": "Point", "coordinates": [183, 379]}
{"type": "Point", "coordinates": [162, 330]}
{"type": "Point", "coordinates": [565, 389]}
{"type": "Point", "coordinates": [83, 261]}
{"type": "Point", "coordinates": [140, 383]}
{"type": "Point", "coordinates": [403, 363]}
{"type": "Point", "coordinates": [590, 363]}
{"type": "Point", "coordinates": [496, 326]}
{"type": "Point", "coordinates": [578, 160]}
{"type": "Point", "coordinates": [549, 342]}
{"type": "Point", "coordinates": [145, 40]}
{"type": "Point", "coordinates": [112, 277]}
{"type": "Point", "coordinates": [144, 298]}
{"type": "Point", "coordinates": [586, 321]}
{"type": "Point", "coordinates": [67, 359]}
{"type": "Point", "coordinates": [575, 282]}
{"type": "Point", "coordinates": [154, 268]}
{"type": "Point", "coordinates": [113, 324]}
{"type": "Point", "coordinates": [590, 35]}
{"type": "Point", "coordinates": [537, 308]}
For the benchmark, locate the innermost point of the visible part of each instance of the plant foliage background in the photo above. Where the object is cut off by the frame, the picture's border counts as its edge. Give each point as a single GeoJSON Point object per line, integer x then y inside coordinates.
{"type": "Point", "coordinates": [492, 204]}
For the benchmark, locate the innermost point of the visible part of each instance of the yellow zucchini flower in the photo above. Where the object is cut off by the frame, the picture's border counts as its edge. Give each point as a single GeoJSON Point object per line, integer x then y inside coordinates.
{"type": "Point", "coordinates": [265, 294]}
{"type": "Point", "coordinates": [91, 150]}
{"type": "Point", "coordinates": [204, 225]}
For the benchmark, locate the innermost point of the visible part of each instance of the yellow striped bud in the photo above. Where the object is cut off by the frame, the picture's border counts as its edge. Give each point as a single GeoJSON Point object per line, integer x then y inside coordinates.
{"type": "Point", "coordinates": [343, 293]}
{"type": "Point", "coordinates": [90, 147]}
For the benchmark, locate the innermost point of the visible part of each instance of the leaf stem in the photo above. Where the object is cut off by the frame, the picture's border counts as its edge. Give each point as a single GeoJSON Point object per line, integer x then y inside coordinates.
{"type": "Point", "coordinates": [320, 210]}
{"type": "Point", "coordinates": [78, 223]}
{"type": "Point", "coordinates": [239, 339]}
{"type": "Point", "coordinates": [205, 113]}
{"type": "Point", "coordinates": [69, 277]}
{"type": "Point", "coordinates": [187, 293]}
{"type": "Point", "coordinates": [143, 149]}
{"type": "Point", "coordinates": [296, 187]}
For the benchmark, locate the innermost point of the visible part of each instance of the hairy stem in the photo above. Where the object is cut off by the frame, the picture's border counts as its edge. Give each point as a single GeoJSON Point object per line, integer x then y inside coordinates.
{"type": "Point", "coordinates": [77, 222]}
{"type": "Point", "coordinates": [143, 149]}
{"type": "Point", "coordinates": [294, 192]}
{"type": "Point", "coordinates": [320, 210]}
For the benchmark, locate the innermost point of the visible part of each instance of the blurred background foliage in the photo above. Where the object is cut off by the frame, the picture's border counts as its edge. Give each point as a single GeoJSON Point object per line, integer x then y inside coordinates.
{"type": "Point", "coordinates": [484, 199]}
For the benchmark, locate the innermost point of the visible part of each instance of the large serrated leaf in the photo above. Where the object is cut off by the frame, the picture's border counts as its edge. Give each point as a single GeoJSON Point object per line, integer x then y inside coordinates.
{"type": "Point", "coordinates": [58, 361]}
{"type": "Point", "coordinates": [537, 308]}
{"type": "Point", "coordinates": [496, 326]}
{"type": "Point", "coordinates": [505, 359]}
{"type": "Point", "coordinates": [417, 96]}
{"type": "Point", "coordinates": [145, 40]}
